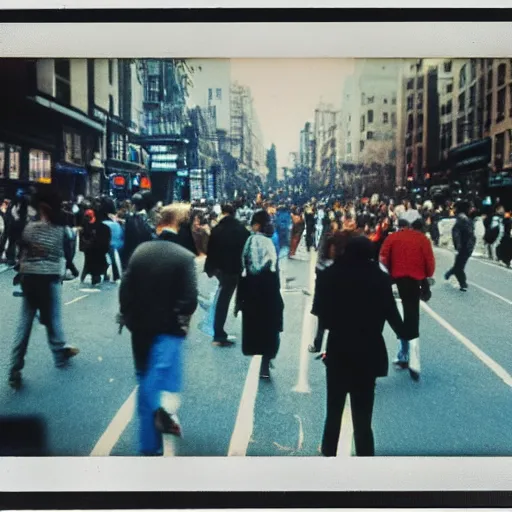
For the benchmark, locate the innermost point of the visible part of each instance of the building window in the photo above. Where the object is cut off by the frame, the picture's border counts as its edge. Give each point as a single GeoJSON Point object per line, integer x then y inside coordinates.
{"type": "Point", "coordinates": [420, 122]}
{"type": "Point", "coordinates": [450, 135]}
{"type": "Point", "coordinates": [370, 116]}
{"type": "Point", "coordinates": [419, 102]}
{"type": "Point", "coordinates": [447, 66]}
{"type": "Point", "coordinates": [410, 123]}
{"type": "Point", "coordinates": [499, 146]}
{"type": "Point", "coordinates": [385, 118]}
{"type": "Point", "coordinates": [369, 135]}
{"type": "Point", "coordinates": [502, 72]}
{"type": "Point", "coordinates": [500, 114]}
{"type": "Point", "coordinates": [153, 89]}
{"type": "Point", "coordinates": [63, 81]}
{"type": "Point", "coordinates": [212, 112]}
{"type": "Point", "coordinates": [363, 125]}
{"type": "Point", "coordinates": [371, 99]}
{"type": "Point", "coordinates": [410, 102]}
{"type": "Point", "coordinates": [462, 102]}
{"type": "Point", "coordinates": [462, 77]}
{"type": "Point", "coordinates": [349, 148]}
{"type": "Point", "coordinates": [449, 107]}
{"type": "Point", "coordinates": [471, 125]}
{"type": "Point", "coordinates": [111, 104]}
{"type": "Point", "coordinates": [14, 162]}
{"type": "Point", "coordinates": [460, 130]}
{"type": "Point", "coordinates": [410, 84]}
{"type": "Point", "coordinates": [490, 63]}
{"type": "Point", "coordinates": [385, 101]}
{"type": "Point", "coordinates": [408, 157]}
{"type": "Point", "coordinates": [449, 88]}
{"type": "Point", "coordinates": [73, 148]}
{"type": "Point", "coordinates": [361, 145]}
{"type": "Point", "coordinates": [510, 96]}
{"type": "Point", "coordinates": [110, 71]}
{"type": "Point", "coordinates": [489, 79]}
{"type": "Point", "coordinates": [40, 166]}
{"type": "Point", "coordinates": [393, 119]}
{"type": "Point", "coordinates": [472, 96]}
{"type": "Point", "coordinates": [210, 94]}
{"type": "Point", "coordinates": [473, 69]}
{"type": "Point", "coordinates": [421, 81]}
{"type": "Point", "coordinates": [488, 109]}
{"type": "Point", "coordinates": [3, 160]}
{"type": "Point", "coordinates": [117, 146]}
{"type": "Point", "coordinates": [218, 94]}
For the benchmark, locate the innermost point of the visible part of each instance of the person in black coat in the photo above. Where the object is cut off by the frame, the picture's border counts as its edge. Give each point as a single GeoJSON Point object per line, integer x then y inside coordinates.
{"type": "Point", "coordinates": [224, 261]}
{"type": "Point", "coordinates": [354, 302]}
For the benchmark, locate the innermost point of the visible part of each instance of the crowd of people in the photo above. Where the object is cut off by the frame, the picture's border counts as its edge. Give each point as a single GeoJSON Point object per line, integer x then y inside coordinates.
{"type": "Point", "coordinates": [363, 248]}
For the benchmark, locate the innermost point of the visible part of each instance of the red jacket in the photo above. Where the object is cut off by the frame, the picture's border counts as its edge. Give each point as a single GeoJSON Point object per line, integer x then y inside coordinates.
{"type": "Point", "coordinates": [408, 253]}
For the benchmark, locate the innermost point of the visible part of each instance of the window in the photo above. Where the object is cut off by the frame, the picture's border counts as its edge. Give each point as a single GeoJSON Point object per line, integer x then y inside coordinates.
{"type": "Point", "coordinates": [393, 119]}
{"type": "Point", "coordinates": [218, 94]}
{"type": "Point", "coordinates": [488, 110]}
{"type": "Point", "coordinates": [462, 102]}
{"type": "Point", "coordinates": [212, 112]}
{"type": "Point", "coordinates": [489, 63]}
{"type": "Point", "coordinates": [462, 77]}
{"type": "Point", "coordinates": [370, 116]}
{"type": "Point", "coordinates": [510, 96]}
{"type": "Point", "coordinates": [410, 102]}
{"type": "Point", "coordinates": [3, 160]}
{"type": "Point", "coordinates": [349, 148]}
{"type": "Point", "coordinates": [471, 125]}
{"type": "Point", "coordinates": [447, 66]}
{"type": "Point", "coordinates": [385, 118]}
{"type": "Point", "coordinates": [410, 123]}
{"type": "Point", "coordinates": [349, 118]}
{"type": "Point", "coordinates": [110, 71]}
{"type": "Point", "coordinates": [385, 101]}
{"type": "Point", "coordinates": [489, 80]}
{"type": "Point", "coordinates": [40, 166]}
{"type": "Point", "coordinates": [73, 148]}
{"type": "Point", "coordinates": [369, 135]}
{"type": "Point", "coordinates": [419, 102]}
{"type": "Point", "coordinates": [14, 162]}
{"type": "Point", "coordinates": [117, 146]}
{"type": "Point", "coordinates": [393, 101]}
{"type": "Point", "coordinates": [361, 145]}
{"type": "Point", "coordinates": [473, 69]}
{"type": "Point", "coordinates": [420, 83]}
{"type": "Point", "coordinates": [362, 124]}
{"type": "Point", "coordinates": [499, 146]}
{"type": "Point", "coordinates": [449, 88]}
{"type": "Point", "coordinates": [420, 122]}
{"type": "Point", "coordinates": [502, 71]}
{"type": "Point", "coordinates": [371, 99]}
{"type": "Point", "coordinates": [63, 81]}
{"type": "Point", "coordinates": [449, 107]}
{"type": "Point", "coordinates": [472, 96]}
{"type": "Point", "coordinates": [500, 115]}
{"type": "Point", "coordinates": [409, 157]}
{"type": "Point", "coordinates": [349, 133]}
{"type": "Point", "coordinates": [111, 104]}
{"type": "Point", "coordinates": [450, 135]}
{"type": "Point", "coordinates": [460, 130]}
{"type": "Point", "coordinates": [410, 84]}
{"type": "Point", "coordinates": [210, 94]}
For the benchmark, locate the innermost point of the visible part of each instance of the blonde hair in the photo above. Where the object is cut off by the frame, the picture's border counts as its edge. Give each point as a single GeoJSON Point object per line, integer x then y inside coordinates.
{"type": "Point", "coordinates": [175, 213]}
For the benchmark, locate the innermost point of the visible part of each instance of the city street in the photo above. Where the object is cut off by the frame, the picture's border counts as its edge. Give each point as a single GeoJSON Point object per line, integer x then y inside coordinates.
{"type": "Point", "coordinates": [461, 407]}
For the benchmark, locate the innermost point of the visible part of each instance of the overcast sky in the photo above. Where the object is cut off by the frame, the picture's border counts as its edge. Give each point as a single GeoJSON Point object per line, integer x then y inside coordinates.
{"type": "Point", "coordinates": [286, 93]}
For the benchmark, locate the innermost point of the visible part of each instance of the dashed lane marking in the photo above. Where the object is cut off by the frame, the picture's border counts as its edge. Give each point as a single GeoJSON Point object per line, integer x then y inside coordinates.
{"type": "Point", "coordinates": [484, 358]}
{"type": "Point", "coordinates": [76, 300]}
{"type": "Point", "coordinates": [244, 423]}
{"type": "Point", "coordinates": [117, 426]}
{"type": "Point", "coordinates": [307, 336]}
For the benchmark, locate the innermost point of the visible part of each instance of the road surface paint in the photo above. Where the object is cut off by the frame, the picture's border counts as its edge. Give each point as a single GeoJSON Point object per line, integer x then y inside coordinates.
{"type": "Point", "coordinates": [308, 335]}
{"type": "Point", "coordinates": [489, 292]}
{"type": "Point", "coordinates": [117, 426]}
{"type": "Point", "coordinates": [488, 361]}
{"type": "Point", "coordinates": [480, 260]}
{"type": "Point", "coordinates": [300, 441]}
{"type": "Point", "coordinates": [76, 300]}
{"type": "Point", "coordinates": [244, 423]}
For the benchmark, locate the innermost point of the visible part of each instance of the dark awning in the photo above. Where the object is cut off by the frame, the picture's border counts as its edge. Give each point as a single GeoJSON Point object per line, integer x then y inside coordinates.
{"type": "Point", "coordinates": [70, 169]}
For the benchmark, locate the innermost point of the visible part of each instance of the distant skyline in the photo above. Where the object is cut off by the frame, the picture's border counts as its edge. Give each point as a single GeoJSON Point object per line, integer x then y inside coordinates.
{"type": "Point", "coordinates": [286, 93]}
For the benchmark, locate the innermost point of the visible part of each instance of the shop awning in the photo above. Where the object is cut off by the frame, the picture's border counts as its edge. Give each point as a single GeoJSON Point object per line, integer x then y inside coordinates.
{"type": "Point", "coordinates": [70, 169]}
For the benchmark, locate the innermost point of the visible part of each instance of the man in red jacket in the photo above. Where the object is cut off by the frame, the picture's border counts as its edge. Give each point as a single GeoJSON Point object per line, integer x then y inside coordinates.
{"type": "Point", "coordinates": [409, 258]}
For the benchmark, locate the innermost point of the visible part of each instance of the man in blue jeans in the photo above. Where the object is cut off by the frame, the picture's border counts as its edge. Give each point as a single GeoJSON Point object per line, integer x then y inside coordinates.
{"type": "Point", "coordinates": [158, 295]}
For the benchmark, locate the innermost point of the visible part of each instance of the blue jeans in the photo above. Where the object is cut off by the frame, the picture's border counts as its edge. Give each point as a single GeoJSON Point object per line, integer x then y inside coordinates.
{"type": "Point", "coordinates": [164, 373]}
{"type": "Point", "coordinates": [43, 294]}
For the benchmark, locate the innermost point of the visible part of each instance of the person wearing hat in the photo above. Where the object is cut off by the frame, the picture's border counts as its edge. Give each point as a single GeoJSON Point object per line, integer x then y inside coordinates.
{"type": "Point", "coordinates": [41, 268]}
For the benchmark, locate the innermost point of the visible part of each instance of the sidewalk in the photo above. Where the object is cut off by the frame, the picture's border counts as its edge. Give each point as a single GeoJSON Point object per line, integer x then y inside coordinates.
{"type": "Point", "coordinates": [4, 267]}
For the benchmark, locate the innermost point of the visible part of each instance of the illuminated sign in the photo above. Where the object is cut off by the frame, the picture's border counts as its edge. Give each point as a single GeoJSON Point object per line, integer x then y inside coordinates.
{"type": "Point", "coordinates": [145, 183]}
{"type": "Point", "coordinates": [160, 149]}
{"type": "Point", "coordinates": [164, 166]}
{"type": "Point", "coordinates": [164, 158]}
{"type": "Point", "coordinates": [182, 174]}
{"type": "Point", "coordinates": [119, 181]}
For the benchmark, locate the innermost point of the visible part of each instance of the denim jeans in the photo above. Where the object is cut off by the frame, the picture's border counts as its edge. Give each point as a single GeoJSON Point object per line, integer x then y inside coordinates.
{"type": "Point", "coordinates": [43, 294]}
{"type": "Point", "coordinates": [227, 287]}
{"type": "Point", "coordinates": [164, 373]}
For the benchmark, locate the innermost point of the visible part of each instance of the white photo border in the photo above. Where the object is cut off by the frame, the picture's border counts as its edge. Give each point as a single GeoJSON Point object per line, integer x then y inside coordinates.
{"type": "Point", "coordinates": [293, 40]}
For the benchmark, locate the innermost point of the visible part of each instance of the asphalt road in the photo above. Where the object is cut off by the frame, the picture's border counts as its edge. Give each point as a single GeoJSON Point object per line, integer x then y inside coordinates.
{"type": "Point", "coordinates": [462, 405]}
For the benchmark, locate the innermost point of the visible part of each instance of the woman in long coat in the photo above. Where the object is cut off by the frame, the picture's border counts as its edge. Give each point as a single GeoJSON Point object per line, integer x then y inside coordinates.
{"type": "Point", "coordinates": [355, 299]}
{"type": "Point", "coordinates": [259, 297]}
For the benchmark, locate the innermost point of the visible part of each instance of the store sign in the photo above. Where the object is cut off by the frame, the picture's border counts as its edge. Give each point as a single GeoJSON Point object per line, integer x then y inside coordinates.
{"type": "Point", "coordinates": [164, 158]}
{"type": "Point", "coordinates": [164, 166]}
{"type": "Point", "coordinates": [182, 174]}
{"type": "Point", "coordinates": [118, 181]}
{"type": "Point", "coordinates": [500, 180]}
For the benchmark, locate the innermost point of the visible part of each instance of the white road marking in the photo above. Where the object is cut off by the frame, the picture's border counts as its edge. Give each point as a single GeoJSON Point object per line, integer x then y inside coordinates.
{"type": "Point", "coordinates": [245, 418]}
{"type": "Point", "coordinates": [90, 290]}
{"type": "Point", "coordinates": [302, 385]}
{"type": "Point", "coordinates": [347, 431]}
{"type": "Point", "coordinates": [488, 361]}
{"type": "Point", "coordinates": [76, 300]}
{"type": "Point", "coordinates": [300, 441]}
{"type": "Point", "coordinates": [117, 426]}
{"type": "Point", "coordinates": [507, 301]}
{"type": "Point", "coordinates": [480, 260]}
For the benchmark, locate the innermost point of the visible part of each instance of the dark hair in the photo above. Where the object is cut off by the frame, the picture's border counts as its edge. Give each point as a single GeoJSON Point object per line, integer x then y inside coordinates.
{"type": "Point", "coordinates": [418, 225]}
{"type": "Point", "coordinates": [462, 207]}
{"type": "Point", "coordinates": [50, 203]}
{"type": "Point", "coordinates": [228, 209]}
{"type": "Point", "coordinates": [262, 218]}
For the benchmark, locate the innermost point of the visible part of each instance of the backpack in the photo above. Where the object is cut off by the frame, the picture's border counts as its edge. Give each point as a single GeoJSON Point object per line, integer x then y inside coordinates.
{"type": "Point", "coordinates": [491, 235]}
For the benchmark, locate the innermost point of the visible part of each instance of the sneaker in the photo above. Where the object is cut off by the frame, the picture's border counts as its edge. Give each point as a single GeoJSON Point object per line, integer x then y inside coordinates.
{"type": "Point", "coordinates": [15, 380]}
{"type": "Point", "coordinates": [166, 424]}
{"type": "Point", "coordinates": [401, 365]}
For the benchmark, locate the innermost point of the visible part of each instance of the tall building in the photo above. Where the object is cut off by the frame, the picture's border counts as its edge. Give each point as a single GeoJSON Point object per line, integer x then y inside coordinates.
{"type": "Point", "coordinates": [368, 119]}
{"type": "Point", "coordinates": [307, 146]}
{"type": "Point", "coordinates": [326, 136]}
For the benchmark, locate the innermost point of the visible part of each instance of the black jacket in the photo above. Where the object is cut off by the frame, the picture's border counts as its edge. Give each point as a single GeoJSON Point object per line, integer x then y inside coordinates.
{"type": "Point", "coordinates": [463, 234]}
{"type": "Point", "coordinates": [158, 293]}
{"type": "Point", "coordinates": [183, 238]}
{"type": "Point", "coordinates": [354, 301]}
{"type": "Point", "coordinates": [225, 247]}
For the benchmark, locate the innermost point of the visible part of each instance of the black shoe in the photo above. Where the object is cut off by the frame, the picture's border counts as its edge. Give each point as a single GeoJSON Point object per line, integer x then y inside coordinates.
{"type": "Point", "coordinates": [165, 423]}
{"type": "Point", "coordinates": [415, 376]}
{"type": "Point", "coordinates": [67, 354]}
{"type": "Point", "coordinates": [15, 380]}
{"type": "Point", "coordinates": [463, 288]}
{"type": "Point", "coordinates": [224, 342]}
{"type": "Point", "coordinates": [401, 365]}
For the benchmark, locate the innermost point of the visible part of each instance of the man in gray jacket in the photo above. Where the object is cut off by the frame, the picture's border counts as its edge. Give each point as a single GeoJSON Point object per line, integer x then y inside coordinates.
{"type": "Point", "coordinates": [158, 296]}
{"type": "Point", "coordinates": [464, 241]}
